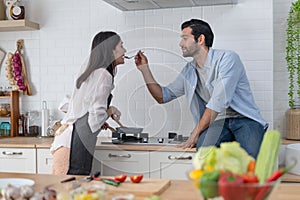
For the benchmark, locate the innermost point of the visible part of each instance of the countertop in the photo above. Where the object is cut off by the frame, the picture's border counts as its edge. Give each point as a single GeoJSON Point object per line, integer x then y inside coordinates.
{"type": "Point", "coordinates": [26, 142]}
{"type": "Point", "coordinates": [45, 142]}
{"type": "Point", "coordinates": [34, 142]}
{"type": "Point", "coordinates": [177, 189]}
{"type": "Point", "coordinates": [286, 141]}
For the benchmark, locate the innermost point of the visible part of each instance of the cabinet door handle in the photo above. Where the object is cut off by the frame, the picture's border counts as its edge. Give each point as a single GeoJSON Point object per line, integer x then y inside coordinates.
{"type": "Point", "coordinates": [119, 156]}
{"type": "Point", "coordinates": [170, 157]}
{"type": "Point", "coordinates": [8, 153]}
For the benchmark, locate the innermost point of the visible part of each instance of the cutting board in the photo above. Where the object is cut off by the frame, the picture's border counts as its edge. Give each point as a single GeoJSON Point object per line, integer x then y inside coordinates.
{"type": "Point", "coordinates": [2, 55]}
{"type": "Point", "coordinates": [147, 187]}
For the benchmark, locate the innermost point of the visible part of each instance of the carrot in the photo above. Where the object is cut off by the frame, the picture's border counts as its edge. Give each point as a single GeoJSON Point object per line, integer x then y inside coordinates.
{"type": "Point", "coordinates": [251, 166]}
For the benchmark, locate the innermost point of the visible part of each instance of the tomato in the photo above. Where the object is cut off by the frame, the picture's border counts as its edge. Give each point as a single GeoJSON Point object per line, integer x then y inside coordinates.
{"type": "Point", "coordinates": [136, 178]}
{"type": "Point", "coordinates": [250, 177]}
{"type": "Point", "coordinates": [120, 178]}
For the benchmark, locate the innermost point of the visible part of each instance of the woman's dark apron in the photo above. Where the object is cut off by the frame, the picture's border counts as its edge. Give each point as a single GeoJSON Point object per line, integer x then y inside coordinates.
{"type": "Point", "coordinates": [83, 144]}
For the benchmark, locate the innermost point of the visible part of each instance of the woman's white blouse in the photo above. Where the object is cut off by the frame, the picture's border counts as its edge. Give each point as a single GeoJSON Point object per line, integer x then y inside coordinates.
{"type": "Point", "coordinates": [90, 97]}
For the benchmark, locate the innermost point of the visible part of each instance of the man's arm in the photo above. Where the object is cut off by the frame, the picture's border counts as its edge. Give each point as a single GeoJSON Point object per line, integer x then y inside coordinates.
{"type": "Point", "coordinates": [154, 88]}
{"type": "Point", "coordinates": [207, 118]}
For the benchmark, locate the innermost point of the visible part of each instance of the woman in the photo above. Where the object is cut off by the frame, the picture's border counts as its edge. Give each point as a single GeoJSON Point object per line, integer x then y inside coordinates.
{"type": "Point", "coordinates": [88, 107]}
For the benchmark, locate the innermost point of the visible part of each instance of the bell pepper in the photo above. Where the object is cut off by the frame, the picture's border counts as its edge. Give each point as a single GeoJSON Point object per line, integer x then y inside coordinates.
{"type": "Point", "coordinates": [209, 184]}
{"type": "Point", "coordinates": [229, 186]}
{"type": "Point", "coordinates": [274, 177]}
{"type": "Point", "coordinates": [251, 166]}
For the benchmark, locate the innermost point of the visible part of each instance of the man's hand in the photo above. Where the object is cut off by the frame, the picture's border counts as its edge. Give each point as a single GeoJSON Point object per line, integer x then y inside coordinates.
{"type": "Point", "coordinates": [140, 60]}
{"type": "Point", "coordinates": [191, 142]}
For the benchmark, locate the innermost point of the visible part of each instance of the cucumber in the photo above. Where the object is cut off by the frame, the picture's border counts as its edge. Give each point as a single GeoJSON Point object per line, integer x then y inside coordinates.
{"type": "Point", "coordinates": [267, 155]}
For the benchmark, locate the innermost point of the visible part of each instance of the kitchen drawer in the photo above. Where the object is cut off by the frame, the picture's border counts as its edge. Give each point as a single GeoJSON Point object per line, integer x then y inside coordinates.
{"type": "Point", "coordinates": [22, 160]}
{"type": "Point", "coordinates": [44, 161]}
{"type": "Point", "coordinates": [170, 165]}
{"type": "Point", "coordinates": [113, 162]}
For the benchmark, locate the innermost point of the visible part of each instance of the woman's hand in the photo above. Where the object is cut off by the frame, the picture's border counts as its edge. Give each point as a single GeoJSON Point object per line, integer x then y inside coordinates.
{"type": "Point", "coordinates": [114, 113]}
{"type": "Point", "coordinates": [140, 60]}
{"type": "Point", "coordinates": [105, 126]}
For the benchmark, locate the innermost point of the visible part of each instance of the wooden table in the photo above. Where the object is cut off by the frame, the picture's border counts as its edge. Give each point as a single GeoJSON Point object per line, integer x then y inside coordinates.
{"type": "Point", "coordinates": [178, 189]}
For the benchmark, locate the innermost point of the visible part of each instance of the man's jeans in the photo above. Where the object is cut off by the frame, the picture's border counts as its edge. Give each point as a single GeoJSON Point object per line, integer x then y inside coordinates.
{"type": "Point", "coordinates": [247, 132]}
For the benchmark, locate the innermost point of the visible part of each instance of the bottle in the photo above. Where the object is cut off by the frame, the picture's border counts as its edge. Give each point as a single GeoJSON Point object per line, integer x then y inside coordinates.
{"type": "Point", "coordinates": [45, 119]}
{"type": "Point", "coordinates": [21, 125]}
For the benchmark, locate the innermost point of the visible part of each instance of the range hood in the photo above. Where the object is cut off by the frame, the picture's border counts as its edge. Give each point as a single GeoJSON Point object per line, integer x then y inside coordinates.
{"type": "Point", "coordinates": [128, 5]}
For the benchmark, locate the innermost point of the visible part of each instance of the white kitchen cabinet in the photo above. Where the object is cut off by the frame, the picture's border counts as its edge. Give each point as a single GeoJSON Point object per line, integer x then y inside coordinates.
{"type": "Point", "coordinates": [113, 162]}
{"type": "Point", "coordinates": [44, 161]}
{"type": "Point", "coordinates": [19, 160]}
{"type": "Point", "coordinates": [170, 165]}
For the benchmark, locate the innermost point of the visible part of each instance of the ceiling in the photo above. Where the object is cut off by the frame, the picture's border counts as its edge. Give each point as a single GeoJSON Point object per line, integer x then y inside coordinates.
{"type": "Point", "coordinates": [127, 5]}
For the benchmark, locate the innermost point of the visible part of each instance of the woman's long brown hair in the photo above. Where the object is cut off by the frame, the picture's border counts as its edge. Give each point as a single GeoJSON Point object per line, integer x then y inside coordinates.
{"type": "Point", "coordinates": [101, 54]}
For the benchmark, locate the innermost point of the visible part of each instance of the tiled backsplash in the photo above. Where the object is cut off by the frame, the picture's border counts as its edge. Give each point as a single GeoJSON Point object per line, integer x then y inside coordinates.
{"type": "Point", "coordinates": [55, 53]}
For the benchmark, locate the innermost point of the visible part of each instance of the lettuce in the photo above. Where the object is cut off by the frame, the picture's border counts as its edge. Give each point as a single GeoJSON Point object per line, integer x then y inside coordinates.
{"type": "Point", "coordinates": [229, 157]}
{"type": "Point", "coordinates": [205, 156]}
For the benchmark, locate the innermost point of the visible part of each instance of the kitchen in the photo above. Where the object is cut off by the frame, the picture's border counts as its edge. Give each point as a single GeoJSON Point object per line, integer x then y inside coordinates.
{"type": "Point", "coordinates": [55, 53]}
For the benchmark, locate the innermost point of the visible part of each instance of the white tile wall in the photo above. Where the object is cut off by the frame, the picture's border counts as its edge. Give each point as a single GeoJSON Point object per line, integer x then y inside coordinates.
{"type": "Point", "coordinates": [55, 53]}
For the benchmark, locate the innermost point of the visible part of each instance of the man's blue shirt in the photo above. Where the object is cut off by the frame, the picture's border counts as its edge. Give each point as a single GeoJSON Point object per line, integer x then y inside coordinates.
{"type": "Point", "coordinates": [227, 84]}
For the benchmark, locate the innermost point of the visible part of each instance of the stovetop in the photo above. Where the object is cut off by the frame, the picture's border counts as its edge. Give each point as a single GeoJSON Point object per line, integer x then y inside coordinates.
{"type": "Point", "coordinates": [143, 139]}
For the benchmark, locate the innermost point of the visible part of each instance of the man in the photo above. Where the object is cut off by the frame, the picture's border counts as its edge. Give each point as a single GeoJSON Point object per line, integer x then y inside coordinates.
{"type": "Point", "coordinates": [217, 90]}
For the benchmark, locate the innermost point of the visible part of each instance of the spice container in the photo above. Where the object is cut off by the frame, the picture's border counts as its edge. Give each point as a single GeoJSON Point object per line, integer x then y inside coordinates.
{"type": "Point", "coordinates": [5, 129]}
{"type": "Point", "coordinates": [17, 10]}
{"type": "Point", "coordinates": [4, 109]}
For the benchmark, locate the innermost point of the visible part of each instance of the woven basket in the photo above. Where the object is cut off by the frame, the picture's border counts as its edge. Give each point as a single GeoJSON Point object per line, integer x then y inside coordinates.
{"type": "Point", "coordinates": [293, 124]}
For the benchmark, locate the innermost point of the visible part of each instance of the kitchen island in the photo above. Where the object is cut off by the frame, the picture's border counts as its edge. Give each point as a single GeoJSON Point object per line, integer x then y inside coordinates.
{"type": "Point", "coordinates": [177, 189]}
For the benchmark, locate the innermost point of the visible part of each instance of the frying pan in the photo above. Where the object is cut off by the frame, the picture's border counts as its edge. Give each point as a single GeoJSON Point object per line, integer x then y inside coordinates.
{"type": "Point", "coordinates": [133, 130]}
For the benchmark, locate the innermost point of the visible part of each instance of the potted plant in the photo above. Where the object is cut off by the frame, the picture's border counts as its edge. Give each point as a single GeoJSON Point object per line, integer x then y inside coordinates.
{"type": "Point", "coordinates": [293, 66]}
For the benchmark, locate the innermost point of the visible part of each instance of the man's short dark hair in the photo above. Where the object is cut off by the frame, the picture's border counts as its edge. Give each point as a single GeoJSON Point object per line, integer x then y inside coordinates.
{"type": "Point", "coordinates": [200, 27]}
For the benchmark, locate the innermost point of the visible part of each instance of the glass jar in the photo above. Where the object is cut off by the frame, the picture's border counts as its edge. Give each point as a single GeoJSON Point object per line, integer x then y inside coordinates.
{"type": "Point", "coordinates": [5, 128]}
{"type": "Point", "coordinates": [4, 109]}
{"type": "Point", "coordinates": [32, 123]}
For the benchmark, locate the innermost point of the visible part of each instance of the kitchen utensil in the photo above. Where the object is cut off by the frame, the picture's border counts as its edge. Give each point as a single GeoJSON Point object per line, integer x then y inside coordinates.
{"type": "Point", "coordinates": [127, 130]}
{"type": "Point", "coordinates": [119, 123]}
{"type": "Point", "coordinates": [111, 128]}
{"type": "Point", "coordinates": [129, 57]}
{"type": "Point", "coordinates": [2, 55]}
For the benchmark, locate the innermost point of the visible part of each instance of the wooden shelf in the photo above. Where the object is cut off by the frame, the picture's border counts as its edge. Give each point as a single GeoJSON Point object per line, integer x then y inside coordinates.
{"type": "Point", "coordinates": [18, 25]}
{"type": "Point", "coordinates": [287, 142]}
{"type": "Point", "coordinates": [14, 113]}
